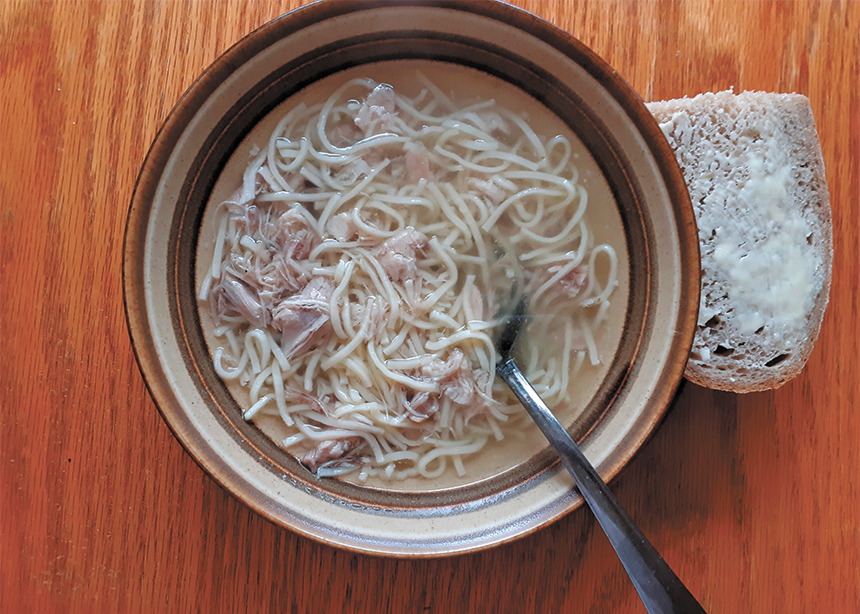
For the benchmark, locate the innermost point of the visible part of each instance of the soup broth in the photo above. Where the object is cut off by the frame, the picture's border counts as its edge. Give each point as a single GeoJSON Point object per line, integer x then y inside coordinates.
{"type": "Point", "coordinates": [356, 250]}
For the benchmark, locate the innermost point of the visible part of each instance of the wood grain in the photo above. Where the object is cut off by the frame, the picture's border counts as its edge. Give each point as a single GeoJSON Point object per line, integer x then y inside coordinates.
{"type": "Point", "coordinates": [754, 500]}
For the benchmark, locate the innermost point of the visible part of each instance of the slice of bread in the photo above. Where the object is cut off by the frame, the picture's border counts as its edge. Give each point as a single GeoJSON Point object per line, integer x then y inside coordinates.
{"type": "Point", "coordinates": [753, 165]}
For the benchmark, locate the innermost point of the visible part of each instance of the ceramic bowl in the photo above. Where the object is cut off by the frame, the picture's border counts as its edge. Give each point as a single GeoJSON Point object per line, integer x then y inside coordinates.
{"type": "Point", "coordinates": [278, 60]}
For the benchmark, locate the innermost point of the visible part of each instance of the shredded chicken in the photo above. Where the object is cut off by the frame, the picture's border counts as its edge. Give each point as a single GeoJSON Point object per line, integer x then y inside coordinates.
{"type": "Point", "coordinates": [475, 302]}
{"type": "Point", "coordinates": [302, 317]}
{"type": "Point", "coordinates": [457, 376]}
{"type": "Point", "coordinates": [570, 284]}
{"type": "Point", "coordinates": [422, 406]}
{"type": "Point", "coordinates": [329, 450]}
{"type": "Point", "coordinates": [342, 227]}
{"type": "Point", "coordinates": [460, 383]}
{"type": "Point", "coordinates": [279, 277]}
{"type": "Point", "coordinates": [350, 173]}
{"type": "Point", "coordinates": [418, 165]}
{"type": "Point", "coordinates": [253, 285]}
{"type": "Point", "coordinates": [236, 296]}
{"type": "Point", "coordinates": [295, 237]}
{"type": "Point", "coordinates": [375, 112]}
{"type": "Point", "coordinates": [397, 255]}
{"type": "Point", "coordinates": [378, 316]}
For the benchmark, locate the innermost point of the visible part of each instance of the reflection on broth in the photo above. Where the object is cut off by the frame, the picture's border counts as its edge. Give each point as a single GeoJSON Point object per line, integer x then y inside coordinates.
{"type": "Point", "coordinates": [357, 247]}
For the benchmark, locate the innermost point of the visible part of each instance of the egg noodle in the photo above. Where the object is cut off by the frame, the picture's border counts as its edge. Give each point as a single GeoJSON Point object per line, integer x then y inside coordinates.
{"type": "Point", "coordinates": [357, 271]}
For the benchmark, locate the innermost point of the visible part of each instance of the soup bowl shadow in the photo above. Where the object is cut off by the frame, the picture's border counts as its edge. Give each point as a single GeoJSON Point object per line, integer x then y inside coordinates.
{"type": "Point", "coordinates": [278, 60]}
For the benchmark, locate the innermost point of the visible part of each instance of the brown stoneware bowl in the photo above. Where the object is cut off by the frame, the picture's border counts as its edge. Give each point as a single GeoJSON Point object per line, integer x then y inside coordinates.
{"type": "Point", "coordinates": [256, 75]}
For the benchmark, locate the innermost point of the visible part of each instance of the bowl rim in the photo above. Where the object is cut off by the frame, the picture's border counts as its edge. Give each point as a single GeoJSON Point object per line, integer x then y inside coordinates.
{"type": "Point", "coordinates": [294, 21]}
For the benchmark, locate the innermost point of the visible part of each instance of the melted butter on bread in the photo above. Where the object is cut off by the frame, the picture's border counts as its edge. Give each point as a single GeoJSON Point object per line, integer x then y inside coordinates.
{"type": "Point", "coordinates": [753, 165]}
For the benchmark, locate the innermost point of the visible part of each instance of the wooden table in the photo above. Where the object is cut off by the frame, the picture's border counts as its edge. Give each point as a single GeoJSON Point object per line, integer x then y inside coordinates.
{"type": "Point", "coordinates": [754, 500]}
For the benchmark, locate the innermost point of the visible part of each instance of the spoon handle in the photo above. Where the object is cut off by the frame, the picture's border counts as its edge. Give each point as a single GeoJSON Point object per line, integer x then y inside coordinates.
{"type": "Point", "coordinates": [659, 588]}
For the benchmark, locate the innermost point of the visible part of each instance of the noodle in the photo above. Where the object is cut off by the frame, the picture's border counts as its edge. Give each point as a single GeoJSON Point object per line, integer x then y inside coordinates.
{"type": "Point", "coordinates": [359, 266]}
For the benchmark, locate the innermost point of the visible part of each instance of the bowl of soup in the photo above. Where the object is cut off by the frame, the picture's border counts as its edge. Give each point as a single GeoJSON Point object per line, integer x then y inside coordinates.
{"type": "Point", "coordinates": [326, 230]}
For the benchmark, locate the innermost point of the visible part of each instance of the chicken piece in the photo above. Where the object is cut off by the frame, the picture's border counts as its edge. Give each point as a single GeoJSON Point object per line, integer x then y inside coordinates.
{"type": "Point", "coordinates": [295, 237]}
{"type": "Point", "coordinates": [439, 370]}
{"type": "Point", "coordinates": [376, 110]}
{"type": "Point", "coordinates": [459, 380]}
{"type": "Point", "coordinates": [377, 314]}
{"type": "Point", "coordinates": [474, 303]}
{"type": "Point", "coordinates": [342, 227]}
{"type": "Point", "coordinates": [329, 450]}
{"type": "Point", "coordinates": [235, 295]}
{"type": "Point", "coordinates": [421, 406]}
{"type": "Point", "coordinates": [417, 165]}
{"type": "Point", "coordinates": [301, 317]}
{"type": "Point", "coordinates": [462, 388]}
{"type": "Point", "coordinates": [280, 276]}
{"type": "Point", "coordinates": [397, 254]}
{"type": "Point", "coordinates": [570, 284]}
{"type": "Point", "coordinates": [350, 173]}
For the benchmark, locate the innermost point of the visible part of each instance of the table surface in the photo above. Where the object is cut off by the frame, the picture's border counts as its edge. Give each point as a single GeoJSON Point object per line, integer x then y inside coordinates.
{"type": "Point", "coordinates": [754, 500]}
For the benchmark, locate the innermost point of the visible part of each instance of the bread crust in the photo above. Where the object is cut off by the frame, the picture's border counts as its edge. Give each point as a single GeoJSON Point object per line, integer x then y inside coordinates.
{"type": "Point", "coordinates": [719, 139]}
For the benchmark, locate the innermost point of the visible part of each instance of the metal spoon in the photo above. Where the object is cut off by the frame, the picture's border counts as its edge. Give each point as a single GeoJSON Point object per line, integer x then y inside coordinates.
{"type": "Point", "coordinates": [659, 588]}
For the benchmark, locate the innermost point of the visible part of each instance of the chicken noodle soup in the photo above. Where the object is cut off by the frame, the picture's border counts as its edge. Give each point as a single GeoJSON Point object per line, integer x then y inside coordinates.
{"type": "Point", "coordinates": [358, 266]}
